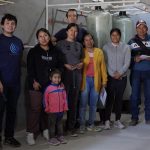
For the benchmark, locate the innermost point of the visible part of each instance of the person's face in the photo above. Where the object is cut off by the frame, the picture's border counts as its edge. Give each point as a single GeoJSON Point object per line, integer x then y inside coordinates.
{"type": "Point", "coordinates": [88, 41]}
{"type": "Point", "coordinates": [72, 33]}
{"type": "Point", "coordinates": [9, 26]}
{"type": "Point", "coordinates": [141, 30]}
{"type": "Point", "coordinates": [115, 37]}
{"type": "Point", "coordinates": [43, 38]}
{"type": "Point", "coordinates": [56, 78]}
{"type": "Point", "coordinates": [72, 17]}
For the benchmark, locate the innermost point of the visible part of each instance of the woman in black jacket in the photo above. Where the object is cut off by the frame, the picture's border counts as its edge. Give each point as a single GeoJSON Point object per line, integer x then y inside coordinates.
{"type": "Point", "coordinates": [41, 60]}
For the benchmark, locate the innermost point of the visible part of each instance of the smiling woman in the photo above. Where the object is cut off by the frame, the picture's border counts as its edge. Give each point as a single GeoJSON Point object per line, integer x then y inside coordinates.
{"type": "Point", "coordinates": [41, 60]}
{"type": "Point", "coordinates": [73, 61]}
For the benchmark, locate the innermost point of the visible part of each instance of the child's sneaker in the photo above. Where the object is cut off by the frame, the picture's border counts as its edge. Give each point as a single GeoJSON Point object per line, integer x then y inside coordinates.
{"type": "Point", "coordinates": [107, 125]}
{"type": "Point", "coordinates": [118, 124]}
{"type": "Point", "coordinates": [54, 142]}
{"type": "Point", "coordinates": [46, 134]}
{"type": "Point", "coordinates": [62, 140]}
{"type": "Point", "coordinates": [30, 139]}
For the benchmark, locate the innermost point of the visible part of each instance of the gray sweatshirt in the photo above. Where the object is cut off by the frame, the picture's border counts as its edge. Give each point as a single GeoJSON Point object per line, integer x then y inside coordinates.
{"type": "Point", "coordinates": [117, 58]}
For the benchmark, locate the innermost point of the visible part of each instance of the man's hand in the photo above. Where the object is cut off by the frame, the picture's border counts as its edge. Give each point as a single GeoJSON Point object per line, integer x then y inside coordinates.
{"type": "Point", "coordinates": [104, 86]}
{"type": "Point", "coordinates": [36, 86]}
{"type": "Point", "coordinates": [137, 58]}
{"type": "Point", "coordinates": [1, 87]}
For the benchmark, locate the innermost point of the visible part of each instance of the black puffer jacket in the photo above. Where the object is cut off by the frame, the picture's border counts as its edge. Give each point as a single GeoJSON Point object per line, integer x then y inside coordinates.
{"type": "Point", "coordinates": [40, 63]}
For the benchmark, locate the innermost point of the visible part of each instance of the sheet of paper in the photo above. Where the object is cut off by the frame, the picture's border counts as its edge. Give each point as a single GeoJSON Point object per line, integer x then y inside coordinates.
{"type": "Point", "coordinates": [144, 57]}
{"type": "Point", "coordinates": [103, 96]}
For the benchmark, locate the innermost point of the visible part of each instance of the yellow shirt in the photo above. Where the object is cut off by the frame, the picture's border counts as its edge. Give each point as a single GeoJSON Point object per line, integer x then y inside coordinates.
{"type": "Point", "coordinates": [100, 73]}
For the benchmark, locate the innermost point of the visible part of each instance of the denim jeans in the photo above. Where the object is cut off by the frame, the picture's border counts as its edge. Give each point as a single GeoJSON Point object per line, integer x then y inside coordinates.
{"type": "Point", "coordinates": [89, 95]}
{"type": "Point", "coordinates": [139, 77]}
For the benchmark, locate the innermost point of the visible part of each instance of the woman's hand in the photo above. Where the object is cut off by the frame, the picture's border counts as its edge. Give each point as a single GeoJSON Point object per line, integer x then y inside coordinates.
{"type": "Point", "coordinates": [70, 67]}
{"type": "Point", "coordinates": [117, 75]}
{"type": "Point", "coordinates": [79, 66]}
{"type": "Point", "coordinates": [36, 86]}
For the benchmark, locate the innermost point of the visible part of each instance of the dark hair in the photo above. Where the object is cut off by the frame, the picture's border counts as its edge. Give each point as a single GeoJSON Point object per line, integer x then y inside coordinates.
{"type": "Point", "coordinates": [71, 10]}
{"type": "Point", "coordinates": [87, 34]}
{"type": "Point", "coordinates": [115, 30]}
{"type": "Point", "coordinates": [9, 17]}
{"type": "Point", "coordinates": [42, 30]}
{"type": "Point", "coordinates": [72, 25]}
{"type": "Point", "coordinates": [56, 71]}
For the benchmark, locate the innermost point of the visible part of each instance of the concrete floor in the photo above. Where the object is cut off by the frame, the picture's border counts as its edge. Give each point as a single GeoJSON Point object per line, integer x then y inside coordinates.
{"type": "Point", "coordinates": [131, 138]}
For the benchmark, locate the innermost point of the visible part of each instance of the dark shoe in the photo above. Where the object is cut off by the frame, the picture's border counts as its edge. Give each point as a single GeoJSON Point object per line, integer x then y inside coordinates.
{"type": "Point", "coordinates": [133, 122]}
{"type": "Point", "coordinates": [54, 142]}
{"type": "Point", "coordinates": [1, 146]}
{"type": "Point", "coordinates": [62, 140]}
{"type": "Point", "coordinates": [11, 141]}
{"type": "Point", "coordinates": [72, 133]}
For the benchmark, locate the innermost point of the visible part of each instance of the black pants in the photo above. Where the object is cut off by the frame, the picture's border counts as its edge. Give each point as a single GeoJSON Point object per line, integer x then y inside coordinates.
{"type": "Point", "coordinates": [55, 124]}
{"type": "Point", "coordinates": [8, 102]}
{"type": "Point", "coordinates": [37, 119]}
{"type": "Point", "coordinates": [72, 83]}
{"type": "Point", "coordinates": [102, 115]}
{"type": "Point", "coordinates": [115, 90]}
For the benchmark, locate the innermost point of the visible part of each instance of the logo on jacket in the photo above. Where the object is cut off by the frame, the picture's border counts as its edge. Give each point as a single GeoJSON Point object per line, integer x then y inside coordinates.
{"type": "Point", "coordinates": [14, 49]}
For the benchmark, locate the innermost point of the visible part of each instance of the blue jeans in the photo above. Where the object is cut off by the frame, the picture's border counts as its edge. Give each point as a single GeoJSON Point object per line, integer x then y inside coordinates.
{"type": "Point", "coordinates": [88, 96]}
{"type": "Point", "coordinates": [139, 77]}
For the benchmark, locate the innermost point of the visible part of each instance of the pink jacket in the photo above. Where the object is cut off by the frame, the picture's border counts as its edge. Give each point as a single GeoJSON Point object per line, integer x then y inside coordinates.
{"type": "Point", "coordinates": [55, 99]}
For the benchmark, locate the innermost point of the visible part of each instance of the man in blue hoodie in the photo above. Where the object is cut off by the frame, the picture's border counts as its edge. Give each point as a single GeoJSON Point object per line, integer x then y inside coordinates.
{"type": "Point", "coordinates": [11, 49]}
{"type": "Point", "coordinates": [140, 68]}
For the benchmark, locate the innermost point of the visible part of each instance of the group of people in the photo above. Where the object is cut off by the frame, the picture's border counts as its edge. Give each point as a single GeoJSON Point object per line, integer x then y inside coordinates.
{"type": "Point", "coordinates": [66, 73]}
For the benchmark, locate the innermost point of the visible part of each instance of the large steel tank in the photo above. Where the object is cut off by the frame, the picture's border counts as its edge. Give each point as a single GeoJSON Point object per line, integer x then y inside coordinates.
{"type": "Point", "coordinates": [99, 24]}
{"type": "Point", "coordinates": [124, 23]}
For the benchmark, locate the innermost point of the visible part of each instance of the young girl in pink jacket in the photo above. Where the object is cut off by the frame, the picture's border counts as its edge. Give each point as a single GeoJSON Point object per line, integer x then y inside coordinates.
{"type": "Point", "coordinates": [55, 103]}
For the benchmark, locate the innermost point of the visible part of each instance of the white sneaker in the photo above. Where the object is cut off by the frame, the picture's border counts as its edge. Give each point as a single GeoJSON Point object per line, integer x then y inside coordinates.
{"type": "Point", "coordinates": [93, 128]}
{"type": "Point", "coordinates": [118, 124]}
{"type": "Point", "coordinates": [46, 134]}
{"type": "Point", "coordinates": [107, 125]}
{"type": "Point", "coordinates": [30, 139]}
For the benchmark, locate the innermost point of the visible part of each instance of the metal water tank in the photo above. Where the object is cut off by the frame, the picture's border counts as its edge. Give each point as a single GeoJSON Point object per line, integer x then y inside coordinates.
{"type": "Point", "coordinates": [99, 24]}
{"type": "Point", "coordinates": [124, 23]}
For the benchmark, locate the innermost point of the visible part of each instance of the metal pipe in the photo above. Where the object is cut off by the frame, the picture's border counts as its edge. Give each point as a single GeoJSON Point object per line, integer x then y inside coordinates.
{"type": "Point", "coordinates": [95, 4]}
{"type": "Point", "coordinates": [46, 14]}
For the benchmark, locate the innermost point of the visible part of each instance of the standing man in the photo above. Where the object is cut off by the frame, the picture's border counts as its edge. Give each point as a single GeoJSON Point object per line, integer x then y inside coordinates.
{"type": "Point", "coordinates": [72, 17]}
{"type": "Point", "coordinates": [11, 49]}
{"type": "Point", "coordinates": [140, 68]}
